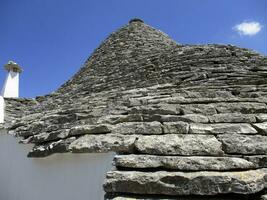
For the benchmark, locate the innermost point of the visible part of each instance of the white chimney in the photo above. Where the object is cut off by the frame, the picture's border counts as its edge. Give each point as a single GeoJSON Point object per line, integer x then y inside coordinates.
{"type": "Point", "coordinates": [11, 86]}
{"type": "Point", "coordinates": [2, 109]}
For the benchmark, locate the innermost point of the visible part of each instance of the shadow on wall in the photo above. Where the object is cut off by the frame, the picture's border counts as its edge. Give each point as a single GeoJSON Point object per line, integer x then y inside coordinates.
{"type": "Point", "coordinates": [61, 176]}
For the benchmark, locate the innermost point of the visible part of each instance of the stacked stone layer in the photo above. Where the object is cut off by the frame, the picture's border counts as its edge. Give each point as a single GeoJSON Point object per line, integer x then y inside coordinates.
{"type": "Point", "coordinates": [186, 121]}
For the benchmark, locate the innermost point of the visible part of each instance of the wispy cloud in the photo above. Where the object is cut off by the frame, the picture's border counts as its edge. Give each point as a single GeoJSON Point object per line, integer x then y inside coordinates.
{"type": "Point", "coordinates": [248, 28]}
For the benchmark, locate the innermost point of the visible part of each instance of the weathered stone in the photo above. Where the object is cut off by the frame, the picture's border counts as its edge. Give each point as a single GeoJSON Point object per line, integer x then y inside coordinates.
{"type": "Point", "coordinates": [261, 127]}
{"type": "Point", "coordinates": [196, 197]}
{"type": "Point", "coordinates": [138, 198]}
{"type": "Point", "coordinates": [151, 118]}
{"type": "Point", "coordinates": [264, 197]}
{"type": "Point", "coordinates": [103, 143]}
{"type": "Point", "coordinates": [36, 127]}
{"type": "Point", "coordinates": [176, 127]}
{"type": "Point", "coordinates": [181, 163]}
{"type": "Point", "coordinates": [243, 128]}
{"type": "Point", "coordinates": [197, 118]}
{"type": "Point", "coordinates": [261, 117]}
{"type": "Point", "coordinates": [90, 129]}
{"type": "Point", "coordinates": [179, 144]}
{"type": "Point", "coordinates": [258, 160]}
{"type": "Point", "coordinates": [60, 146]}
{"type": "Point", "coordinates": [181, 183]}
{"type": "Point", "coordinates": [241, 107]}
{"type": "Point", "coordinates": [205, 109]}
{"type": "Point", "coordinates": [115, 119]}
{"type": "Point", "coordinates": [232, 118]}
{"type": "Point", "coordinates": [161, 109]}
{"type": "Point", "coordinates": [49, 136]}
{"type": "Point", "coordinates": [138, 128]}
{"type": "Point", "coordinates": [243, 144]}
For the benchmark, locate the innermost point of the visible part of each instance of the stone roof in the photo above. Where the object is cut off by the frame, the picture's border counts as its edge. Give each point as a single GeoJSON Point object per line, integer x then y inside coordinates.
{"type": "Point", "coordinates": [185, 120]}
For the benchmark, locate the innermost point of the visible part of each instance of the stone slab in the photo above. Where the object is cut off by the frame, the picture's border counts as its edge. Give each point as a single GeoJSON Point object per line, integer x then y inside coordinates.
{"type": "Point", "coordinates": [103, 143]}
{"type": "Point", "coordinates": [179, 144]}
{"type": "Point", "coordinates": [243, 144]}
{"type": "Point", "coordinates": [182, 163]}
{"type": "Point", "coordinates": [185, 183]}
{"type": "Point", "coordinates": [221, 128]}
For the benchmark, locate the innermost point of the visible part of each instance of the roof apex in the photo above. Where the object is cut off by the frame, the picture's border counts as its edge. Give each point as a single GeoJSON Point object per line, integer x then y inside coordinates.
{"type": "Point", "coordinates": [136, 20]}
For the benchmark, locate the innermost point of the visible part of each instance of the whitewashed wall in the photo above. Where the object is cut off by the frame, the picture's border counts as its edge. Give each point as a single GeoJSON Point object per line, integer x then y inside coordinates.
{"type": "Point", "coordinates": [11, 85]}
{"type": "Point", "coordinates": [58, 177]}
{"type": "Point", "coordinates": [2, 109]}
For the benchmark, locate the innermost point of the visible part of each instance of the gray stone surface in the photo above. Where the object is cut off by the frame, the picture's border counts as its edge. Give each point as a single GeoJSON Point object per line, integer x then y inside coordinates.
{"type": "Point", "coordinates": [181, 163]}
{"type": "Point", "coordinates": [221, 128]}
{"type": "Point", "coordinates": [43, 150]}
{"type": "Point", "coordinates": [157, 197]}
{"type": "Point", "coordinates": [262, 117]}
{"type": "Point", "coordinates": [162, 109]}
{"type": "Point", "coordinates": [175, 127]}
{"type": "Point", "coordinates": [258, 160]}
{"type": "Point", "coordinates": [243, 144]}
{"type": "Point", "coordinates": [241, 107]}
{"type": "Point", "coordinates": [198, 108]}
{"type": "Point", "coordinates": [48, 136]}
{"type": "Point", "coordinates": [264, 197]}
{"type": "Point", "coordinates": [181, 183]}
{"type": "Point", "coordinates": [138, 128]}
{"type": "Point", "coordinates": [261, 127]}
{"type": "Point", "coordinates": [103, 143]}
{"type": "Point", "coordinates": [197, 118]}
{"type": "Point", "coordinates": [90, 129]}
{"type": "Point", "coordinates": [115, 119]}
{"type": "Point", "coordinates": [179, 144]}
{"type": "Point", "coordinates": [232, 118]}
{"type": "Point", "coordinates": [139, 198]}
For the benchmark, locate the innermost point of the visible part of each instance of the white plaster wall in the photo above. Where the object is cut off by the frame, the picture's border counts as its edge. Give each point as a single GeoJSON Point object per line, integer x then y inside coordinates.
{"type": "Point", "coordinates": [11, 85]}
{"type": "Point", "coordinates": [58, 177]}
{"type": "Point", "coordinates": [2, 109]}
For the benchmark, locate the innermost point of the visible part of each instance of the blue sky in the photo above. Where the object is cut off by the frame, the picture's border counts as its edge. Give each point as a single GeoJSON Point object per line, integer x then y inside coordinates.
{"type": "Point", "coordinates": [51, 39]}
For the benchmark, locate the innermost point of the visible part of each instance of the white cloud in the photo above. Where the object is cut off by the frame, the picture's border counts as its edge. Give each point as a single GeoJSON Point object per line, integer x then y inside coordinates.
{"type": "Point", "coordinates": [248, 28]}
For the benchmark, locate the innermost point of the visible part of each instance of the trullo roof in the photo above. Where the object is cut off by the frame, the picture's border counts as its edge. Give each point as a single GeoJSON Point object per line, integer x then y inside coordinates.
{"type": "Point", "coordinates": [186, 121]}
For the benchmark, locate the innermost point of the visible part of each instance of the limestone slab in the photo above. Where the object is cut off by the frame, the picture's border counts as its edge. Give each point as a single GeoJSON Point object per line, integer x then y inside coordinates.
{"type": "Point", "coordinates": [206, 109]}
{"type": "Point", "coordinates": [241, 107]}
{"type": "Point", "coordinates": [103, 143]}
{"type": "Point", "coordinates": [176, 127]}
{"type": "Point", "coordinates": [161, 109]}
{"type": "Point", "coordinates": [262, 117]}
{"type": "Point", "coordinates": [198, 197]}
{"type": "Point", "coordinates": [90, 129]}
{"type": "Point", "coordinates": [258, 160]}
{"type": "Point", "coordinates": [185, 183]}
{"type": "Point", "coordinates": [220, 128]}
{"type": "Point", "coordinates": [179, 144]}
{"type": "Point", "coordinates": [261, 127]}
{"type": "Point", "coordinates": [232, 118]}
{"type": "Point", "coordinates": [243, 144]}
{"type": "Point", "coordinates": [138, 128]}
{"type": "Point", "coordinates": [182, 163]}
{"type": "Point", "coordinates": [197, 118]}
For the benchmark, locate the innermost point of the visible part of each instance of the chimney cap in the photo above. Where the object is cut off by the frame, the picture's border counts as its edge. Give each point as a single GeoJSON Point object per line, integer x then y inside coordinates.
{"type": "Point", "coordinates": [12, 66]}
{"type": "Point", "coordinates": [136, 20]}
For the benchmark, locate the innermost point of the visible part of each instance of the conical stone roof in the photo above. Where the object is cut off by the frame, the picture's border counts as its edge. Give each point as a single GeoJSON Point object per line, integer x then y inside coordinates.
{"type": "Point", "coordinates": [126, 59]}
{"type": "Point", "coordinates": [186, 121]}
